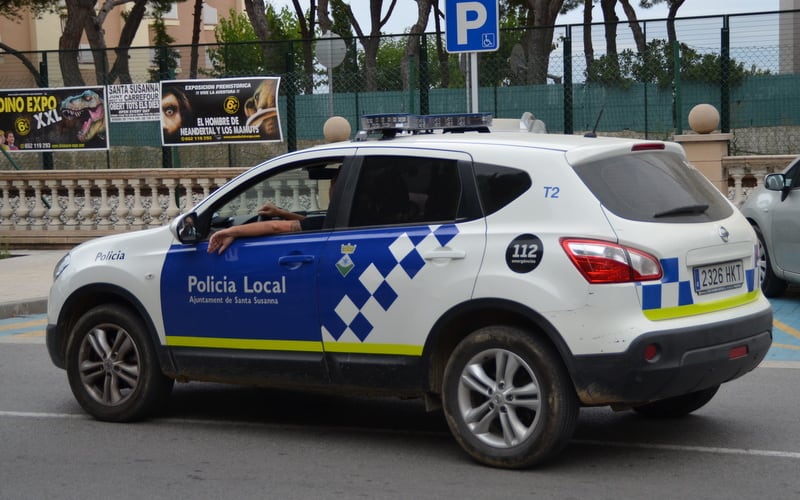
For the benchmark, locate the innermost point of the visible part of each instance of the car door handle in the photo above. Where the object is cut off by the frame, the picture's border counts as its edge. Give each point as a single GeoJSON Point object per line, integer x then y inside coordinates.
{"type": "Point", "coordinates": [295, 261]}
{"type": "Point", "coordinates": [444, 253]}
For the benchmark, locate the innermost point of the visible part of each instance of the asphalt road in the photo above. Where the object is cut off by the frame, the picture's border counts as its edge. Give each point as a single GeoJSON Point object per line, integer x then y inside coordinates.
{"type": "Point", "coordinates": [216, 441]}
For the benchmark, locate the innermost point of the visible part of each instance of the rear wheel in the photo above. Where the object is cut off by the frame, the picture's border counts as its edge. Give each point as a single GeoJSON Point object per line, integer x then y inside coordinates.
{"type": "Point", "coordinates": [679, 405]}
{"type": "Point", "coordinates": [771, 285]}
{"type": "Point", "coordinates": [112, 366]}
{"type": "Point", "coordinates": [508, 399]}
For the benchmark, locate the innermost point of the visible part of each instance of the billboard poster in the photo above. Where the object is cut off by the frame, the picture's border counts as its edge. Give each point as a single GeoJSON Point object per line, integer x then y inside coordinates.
{"type": "Point", "coordinates": [53, 119]}
{"type": "Point", "coordinates": [133, 102]}
{"type": "Point", "coordinates": [220, 111]}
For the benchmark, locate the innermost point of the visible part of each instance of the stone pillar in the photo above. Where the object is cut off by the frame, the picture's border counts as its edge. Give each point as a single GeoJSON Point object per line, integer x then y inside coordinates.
{"type": "Point", "coordinates": [705, 149]}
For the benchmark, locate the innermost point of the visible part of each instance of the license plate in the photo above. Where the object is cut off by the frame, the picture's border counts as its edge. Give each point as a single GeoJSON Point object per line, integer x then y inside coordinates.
{"type": "Point", "coordinates": [718, 277]}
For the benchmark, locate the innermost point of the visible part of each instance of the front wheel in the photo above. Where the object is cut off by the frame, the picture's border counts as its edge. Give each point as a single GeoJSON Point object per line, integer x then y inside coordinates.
{"type": "Point", "coordinates": [508, 399]}
{"type": "Point", "coordinates": [677, 406]}
{"type": "Point", "coordinates": [112, 366]}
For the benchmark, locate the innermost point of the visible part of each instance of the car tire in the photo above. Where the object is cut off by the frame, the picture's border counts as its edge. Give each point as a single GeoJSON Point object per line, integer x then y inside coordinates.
{"type": "Point", "coordinates": [508, 399]}
{"type": "Point", "coordinates": [771, 285]}
{"type": "Point", "coordinates": [677, 406]}
{"type": "Point", "coordinates": [112, 366]}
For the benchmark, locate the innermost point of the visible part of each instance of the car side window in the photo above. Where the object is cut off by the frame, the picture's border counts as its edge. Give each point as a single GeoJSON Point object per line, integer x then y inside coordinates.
{"type": "Point", "coordinates": [299, 192]}
{"type": "Point", "coordinates": [792, 177]}
{"type": "Point", "coordinates": [405, 190]}
{"type": "Point", "coordinates": [498, 186]}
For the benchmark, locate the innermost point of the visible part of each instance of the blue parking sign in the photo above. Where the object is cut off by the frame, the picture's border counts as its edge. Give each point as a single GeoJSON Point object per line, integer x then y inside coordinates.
{"type": "Point", "coordinates": [472, 25]}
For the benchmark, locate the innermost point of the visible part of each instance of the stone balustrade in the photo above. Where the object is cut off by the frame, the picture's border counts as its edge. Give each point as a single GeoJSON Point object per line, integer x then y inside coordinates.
{"type": "Point", "coordinates": [66, 207]}
{"type": "Point", "coordinates": [61, 208]}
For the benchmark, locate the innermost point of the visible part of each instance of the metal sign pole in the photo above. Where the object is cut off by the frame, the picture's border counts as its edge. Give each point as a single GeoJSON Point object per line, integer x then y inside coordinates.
{"type": "Point", "coordinates": [473, 69]}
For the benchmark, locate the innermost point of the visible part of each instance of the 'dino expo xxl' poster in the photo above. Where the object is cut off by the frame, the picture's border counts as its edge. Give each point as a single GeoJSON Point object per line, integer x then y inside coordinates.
{"type": "Point", "coordinates": [216, 111]}
{"type": "Point", "coordinates": [53, 119]}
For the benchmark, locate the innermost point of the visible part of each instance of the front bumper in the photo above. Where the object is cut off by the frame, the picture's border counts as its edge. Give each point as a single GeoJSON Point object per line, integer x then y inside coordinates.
{"type": "Point", "coordinates": [55, 346]}
{"type": "Point", "coordinates": [690, 359]}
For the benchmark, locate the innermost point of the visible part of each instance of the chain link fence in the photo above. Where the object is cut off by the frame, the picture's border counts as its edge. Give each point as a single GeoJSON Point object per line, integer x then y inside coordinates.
{"type": "Point", "coordinates": [635, 84]}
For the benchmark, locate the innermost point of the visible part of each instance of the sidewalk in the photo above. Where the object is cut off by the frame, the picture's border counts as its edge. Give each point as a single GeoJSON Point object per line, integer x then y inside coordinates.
{"type": "Point", "coordinates": [25, 281]}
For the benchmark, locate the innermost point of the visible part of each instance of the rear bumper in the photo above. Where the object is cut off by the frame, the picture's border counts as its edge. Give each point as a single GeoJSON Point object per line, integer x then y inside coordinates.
{"type": "Point", "coordinates": [690, 359]}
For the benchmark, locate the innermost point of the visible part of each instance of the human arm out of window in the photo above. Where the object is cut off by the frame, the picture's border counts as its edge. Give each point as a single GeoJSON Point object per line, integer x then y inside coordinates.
{"type": "Point", "coordinates": [222, 239]}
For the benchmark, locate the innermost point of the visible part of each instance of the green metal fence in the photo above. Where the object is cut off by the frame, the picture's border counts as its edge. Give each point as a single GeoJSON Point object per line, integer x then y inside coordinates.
{"type": "Point", "coordinates": [742, 64]}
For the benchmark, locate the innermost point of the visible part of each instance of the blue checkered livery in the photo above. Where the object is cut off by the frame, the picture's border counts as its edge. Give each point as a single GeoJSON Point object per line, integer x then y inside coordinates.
{"type": "Point", "coordinates": [384, 262]}
{"type": "Point", "coordinates": [676, 290]}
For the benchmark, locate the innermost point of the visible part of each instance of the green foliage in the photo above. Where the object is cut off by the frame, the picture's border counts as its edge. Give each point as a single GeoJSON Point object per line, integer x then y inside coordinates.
{"type": "Point", "coordinates": [166, 58]}
{"type": "Point", "coordinates": [4, 249]}
{"type": "Point", "coordinates": [13, 9]}
{"type": "Point", "coordinates": [236, 55]}
{"type": "Point", "coordinates": [655, 65]}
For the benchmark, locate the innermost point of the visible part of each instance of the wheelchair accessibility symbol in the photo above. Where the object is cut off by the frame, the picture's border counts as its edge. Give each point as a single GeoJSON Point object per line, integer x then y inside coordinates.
{"type": "Point", "coordinates": [488, 41]}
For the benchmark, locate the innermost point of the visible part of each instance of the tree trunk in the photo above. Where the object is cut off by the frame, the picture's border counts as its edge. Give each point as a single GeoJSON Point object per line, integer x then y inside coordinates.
{"type": "Point", "coordinates": [539, 37]}
{"type": "Point", "coordinates": [611, 21]}
{"type": "Point", "coordinates": [674, 5]}
{"type": "Point", "coordinates": [121, 68]}
{"type": "Point", "coordinates": [441, 53]}
{"type": "Point", "coordinates": [78, 13]}
{"type": "Point", "coordinates": [413, 42]}
{"type": "Point", "coordinates": [307, 34]}
{"type": "Point", "coordinates": [196, 25]}
{"type": "Point", "coordinates": [256, 11]}
{"type": "Point", "coordinates": [588, 48]}
{"type": "Point", "coordinates": [372, 42]}
{"type": "Point", "coordinates": [633, 22]}
{"type": "Point", "coordinates": [97, 42]}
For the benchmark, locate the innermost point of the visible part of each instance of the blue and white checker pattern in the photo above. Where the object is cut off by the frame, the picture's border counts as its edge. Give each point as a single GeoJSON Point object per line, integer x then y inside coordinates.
{"type": "Point", "coordinates": [384, 268]}
{"type": "Point", "coordinates": [676, 290]}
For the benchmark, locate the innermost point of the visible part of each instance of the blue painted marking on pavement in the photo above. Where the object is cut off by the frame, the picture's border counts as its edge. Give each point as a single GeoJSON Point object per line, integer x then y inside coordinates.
{"type": "Point", "coordinates": [786, 333]}
{"type": "Point", "coordinates": [17, 325]}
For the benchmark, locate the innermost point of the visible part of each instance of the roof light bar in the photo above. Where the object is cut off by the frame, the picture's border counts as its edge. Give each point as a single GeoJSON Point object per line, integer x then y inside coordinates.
{"type": "Point", "coordinates": [391, 124]}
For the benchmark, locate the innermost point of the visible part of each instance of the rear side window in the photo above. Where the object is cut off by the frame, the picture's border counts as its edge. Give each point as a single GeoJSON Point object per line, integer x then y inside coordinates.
{"type": "Point", "coordinates": [498, 186]}
{"type": "Point", "coordinates": [406, 190]}
{"type": "Point", "coordinates": [654, 187]}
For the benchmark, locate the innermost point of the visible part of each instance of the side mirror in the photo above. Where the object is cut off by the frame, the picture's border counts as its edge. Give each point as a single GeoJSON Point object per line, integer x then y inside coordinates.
{"type": "Point", "coordinates": [775, 182]}
{"type": "Point", "coordinates": [186, 229]}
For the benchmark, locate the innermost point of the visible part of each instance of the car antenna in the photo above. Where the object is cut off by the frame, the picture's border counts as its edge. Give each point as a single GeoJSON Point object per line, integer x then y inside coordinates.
{"type": "Point", "coordinates": [593, 133]}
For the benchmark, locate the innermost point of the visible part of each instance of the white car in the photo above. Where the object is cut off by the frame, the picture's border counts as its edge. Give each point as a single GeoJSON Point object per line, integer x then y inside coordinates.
{"type": "Point", "coordinates": [507, 277]}
{"type": "Point", "coordinates": [773, 211]}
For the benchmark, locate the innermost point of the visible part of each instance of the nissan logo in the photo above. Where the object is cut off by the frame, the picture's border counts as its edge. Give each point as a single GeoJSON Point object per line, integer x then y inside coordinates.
{"type": "Point", "coordinates": [724, 234]}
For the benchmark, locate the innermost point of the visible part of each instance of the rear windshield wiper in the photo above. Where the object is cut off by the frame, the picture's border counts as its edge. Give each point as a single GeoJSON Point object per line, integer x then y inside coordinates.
{"type": "Point", "coordinates": [684, 210]}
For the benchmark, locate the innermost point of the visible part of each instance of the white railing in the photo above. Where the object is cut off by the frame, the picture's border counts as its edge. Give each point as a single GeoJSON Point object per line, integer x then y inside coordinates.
{"type": "Point", "coordinates": [69, 206]}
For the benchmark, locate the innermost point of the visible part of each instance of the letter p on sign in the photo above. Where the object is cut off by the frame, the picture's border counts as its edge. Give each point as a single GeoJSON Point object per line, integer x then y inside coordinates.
{"type": "Point", "coordinates": [472, 25]}
{"type": "Point", "coordinates": [465, 11]}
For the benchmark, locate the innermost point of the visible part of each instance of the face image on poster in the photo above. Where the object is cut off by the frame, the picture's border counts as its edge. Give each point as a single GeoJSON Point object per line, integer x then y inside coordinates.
{"type": "Point", "coordinates": [53, 119]}
{"type": "Point", "coordinates": [215, 111]}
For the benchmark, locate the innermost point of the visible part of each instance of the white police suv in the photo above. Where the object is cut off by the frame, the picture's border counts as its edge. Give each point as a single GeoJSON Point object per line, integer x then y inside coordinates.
{"type": "Point", "coordinates": [509, 277]}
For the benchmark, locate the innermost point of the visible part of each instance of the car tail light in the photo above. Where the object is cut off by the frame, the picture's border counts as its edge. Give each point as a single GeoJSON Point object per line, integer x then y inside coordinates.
{"type": "Point", "coordinates": [604, 262]}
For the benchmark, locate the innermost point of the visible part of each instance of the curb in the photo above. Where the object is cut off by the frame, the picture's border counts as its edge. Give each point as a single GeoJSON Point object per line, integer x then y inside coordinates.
{"type": "Point", "coordinates": [34, 306]}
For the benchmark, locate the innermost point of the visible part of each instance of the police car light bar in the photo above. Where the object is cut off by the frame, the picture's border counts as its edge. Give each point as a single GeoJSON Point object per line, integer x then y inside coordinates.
{"type": "Point", "coordinates": [391, 124]}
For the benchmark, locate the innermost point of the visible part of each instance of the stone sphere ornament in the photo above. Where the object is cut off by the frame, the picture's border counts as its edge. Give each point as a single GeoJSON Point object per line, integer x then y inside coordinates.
{"type": "Point", "coordinates": [336, 129]}
{"type": "Point", "coordinates": [704, 118]}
